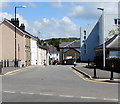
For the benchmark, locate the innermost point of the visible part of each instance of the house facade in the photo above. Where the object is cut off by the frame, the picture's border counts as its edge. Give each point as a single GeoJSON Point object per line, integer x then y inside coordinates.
{"type": "Point", "coordinates": [94, 35]}
{"type": "Point", "coordinates": [42, 55]}
{"type": "Point", "coordinates": [34, 52]}
{"type": "Point", "coordinates": [7, 44]}
{"type": "Point", "coordinates": [27, 50]}
{"type": "Point", "coordinates": [69, 52]}
{"type": "Point", "coordinates": [54, 54]}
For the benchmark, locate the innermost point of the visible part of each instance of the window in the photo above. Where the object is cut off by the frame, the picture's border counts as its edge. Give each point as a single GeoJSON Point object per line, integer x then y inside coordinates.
{"type": "Point", "coordinates": [84, 34]}
{"type": "Point", "coordinates": [114, 54]}
{"type": "Point", "coordinates": [84, 48]}
{"type": "Point", "coordinates": [117, 21]}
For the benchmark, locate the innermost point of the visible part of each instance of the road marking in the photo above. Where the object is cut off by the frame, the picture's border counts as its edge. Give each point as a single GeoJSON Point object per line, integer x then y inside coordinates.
{"type": "Point", "coordinates": [84, 97]}
{"type": "Point", "coordinates": [9, 91]}
{"type": "Point", "coordinates": [110, 99]}
{"type": "Point", "coordinates": [46, 94]}
{"type": "Point", "coordinates": [66, 96]}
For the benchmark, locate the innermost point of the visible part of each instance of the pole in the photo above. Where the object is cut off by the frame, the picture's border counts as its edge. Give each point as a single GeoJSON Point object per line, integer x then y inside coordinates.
{"type": "Point", "coordinates": [103, 40]}
{"type": "Point", "coordinates": [15, 40]}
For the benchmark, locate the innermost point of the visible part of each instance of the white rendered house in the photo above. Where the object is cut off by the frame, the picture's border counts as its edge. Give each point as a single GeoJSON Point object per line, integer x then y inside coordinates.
{"type": "Point", "coordinates": [33, 51]}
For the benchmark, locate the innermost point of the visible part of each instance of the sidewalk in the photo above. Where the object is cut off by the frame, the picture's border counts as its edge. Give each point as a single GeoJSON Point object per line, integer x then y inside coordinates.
{"type": "Point", "coordinates": [100, 74]}
{"type": "Point", "coordinates": [9, 69]}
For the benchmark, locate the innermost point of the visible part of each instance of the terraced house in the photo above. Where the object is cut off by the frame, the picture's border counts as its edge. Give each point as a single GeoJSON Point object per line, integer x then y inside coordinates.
{"type": "Point", "coordinates": [26, 45]}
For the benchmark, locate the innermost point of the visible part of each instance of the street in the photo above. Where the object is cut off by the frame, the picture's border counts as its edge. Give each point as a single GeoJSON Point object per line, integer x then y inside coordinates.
{"type": "Point", "coordinates": [55, 84]}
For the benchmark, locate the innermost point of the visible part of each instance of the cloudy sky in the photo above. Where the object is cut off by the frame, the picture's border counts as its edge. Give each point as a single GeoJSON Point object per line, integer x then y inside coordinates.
{"type": "Point", "coordinates": [56, 19]}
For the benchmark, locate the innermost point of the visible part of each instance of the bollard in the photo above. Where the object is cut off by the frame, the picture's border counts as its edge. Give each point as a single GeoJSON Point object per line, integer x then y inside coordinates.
{"type": "Point", "coordinates": [88, 62]}
{"type": "Point", "coordinates": [94, 70]}
{"type": "Point", "coordinates": [111, 78]}
{"type": "Point", "coordinates": [1, 68]}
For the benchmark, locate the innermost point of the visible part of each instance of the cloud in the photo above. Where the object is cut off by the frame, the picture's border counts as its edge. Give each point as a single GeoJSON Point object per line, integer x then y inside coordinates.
{"type": "Point", "coordinates": [56, 28]}
{"type": "Point", "coordinates": [4, 5]}
{"type": "Point", "coordinates": [32, 4]}
{"type": "Point", "coordinates": [88, 11]}
{"type": "Point", "coordinates": [57, 5]}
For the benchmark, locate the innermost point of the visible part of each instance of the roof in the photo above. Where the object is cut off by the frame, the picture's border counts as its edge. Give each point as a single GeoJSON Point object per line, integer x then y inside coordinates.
{"type": "Point", "coordinates": [17, 27]}
{"type": "Point", "coordinates": [112, 43]}
{"type": "Point", "coordinates": [62, 44]}
{"type": "Point", "coordinates": [42, 46]}
{"type": "Point", "coordinates": [74, 44]}
{"type": "Point", "coordinates": [52, 49]}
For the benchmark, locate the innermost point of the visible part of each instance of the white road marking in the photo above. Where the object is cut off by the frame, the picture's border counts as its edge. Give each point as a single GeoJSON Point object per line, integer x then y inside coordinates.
{"type": "Point", "coordinates": [69, 96]}
{"type": "Point", "coordinates": [26, 93]}
{"type": "Point", "coordinates": [46, 94]}
{"type": "Point", "coordinates": [9, 91]}
{"type": "Point", "coordinates": [111, 99]}
{"type": "Point", "coordinates": [66, 96]}
{"type": "Point", "coordinates": [84, 97]}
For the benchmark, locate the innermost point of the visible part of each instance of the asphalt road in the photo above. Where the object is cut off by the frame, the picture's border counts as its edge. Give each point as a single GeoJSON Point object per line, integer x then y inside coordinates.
{"type": "Point", "coordinates": [55, 84]}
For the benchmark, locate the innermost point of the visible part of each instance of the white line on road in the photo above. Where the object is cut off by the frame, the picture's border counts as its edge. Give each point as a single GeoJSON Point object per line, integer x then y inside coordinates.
{"type": "Point", "coordinates": [9, 91]}
{"type": "Point", "coordinates": [46, 94]}
{"type": "Point", "coordinates": [66, 96]}
{"type": "Point", "coordinates": [26, 93]}
{"type": "Point", "coordinates": [84, 97]}
{"type": "Point", "coordinates": [111, 99]}
{"type": "Point", "coordinates": [69, 96]}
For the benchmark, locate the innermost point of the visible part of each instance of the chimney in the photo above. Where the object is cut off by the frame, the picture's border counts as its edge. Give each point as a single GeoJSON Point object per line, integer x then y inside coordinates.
{"type": "Point", "coordinates": [15, 22]}
{"type": "Point", "coordinates": [22, 26]}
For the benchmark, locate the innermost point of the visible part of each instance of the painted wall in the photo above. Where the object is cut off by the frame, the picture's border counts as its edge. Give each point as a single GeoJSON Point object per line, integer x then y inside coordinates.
{"type": "Point", "coordinates": [1, 42]}
{"type": "Point", "coordinates": [91, 43]}
{"type": "Point", "coordinates": [33, 51]}
{"type": "Point", "coordinates": [8, 43]}
{"type": "Point", "coordinates": [95, 35]}
{"type": "Point", "coordinates": [42, 56]}
{"type": "Point", "coordinates": [106, 25]}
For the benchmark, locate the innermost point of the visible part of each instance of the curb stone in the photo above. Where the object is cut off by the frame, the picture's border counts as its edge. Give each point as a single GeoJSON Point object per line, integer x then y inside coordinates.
{"type": "Point", "coordinates": [87, 75]}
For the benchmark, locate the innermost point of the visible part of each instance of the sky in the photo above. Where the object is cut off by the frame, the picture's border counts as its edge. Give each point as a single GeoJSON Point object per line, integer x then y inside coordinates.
{"type": "Point", "coordinates": [56, 19]}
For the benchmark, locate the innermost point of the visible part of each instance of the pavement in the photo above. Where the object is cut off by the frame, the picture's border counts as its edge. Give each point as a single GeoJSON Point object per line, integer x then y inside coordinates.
{"type": "Point", "coordinates": [8, 70]}
{"type": "Point", "coordinates": [101, 75]}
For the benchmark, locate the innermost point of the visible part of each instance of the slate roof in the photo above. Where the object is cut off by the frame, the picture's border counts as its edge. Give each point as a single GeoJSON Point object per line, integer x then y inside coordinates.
{"type": "Point", "coordinates": [17, 27]}
{"type": "Point", "coordinates": [113, 43]}
{"type": "Point", "coordinates": [74, 44]}
{"type": "Point", "coordinates": [62, 44]}
{"type": "Point", "coordinates": [52, 49]}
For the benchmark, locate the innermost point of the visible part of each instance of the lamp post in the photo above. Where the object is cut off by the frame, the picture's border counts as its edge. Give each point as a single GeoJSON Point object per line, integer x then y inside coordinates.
{"type": "Point", "coordinates": [15, 33]}
{"type": "Point", "coordinates": [103, 36]}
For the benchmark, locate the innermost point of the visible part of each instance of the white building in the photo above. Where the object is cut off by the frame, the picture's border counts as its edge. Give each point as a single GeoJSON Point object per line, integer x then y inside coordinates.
{"type": "Point", "coordinates": [33, 51]}
{"type": "Point", "coordinates": [54, 54]}
{"type": "Point", "coordinates": [42, 55]}
{"type": "Point", "coordinates": [92, 36]}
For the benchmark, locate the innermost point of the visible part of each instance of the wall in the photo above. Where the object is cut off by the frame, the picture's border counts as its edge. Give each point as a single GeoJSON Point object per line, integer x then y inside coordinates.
{"type": "Point", "coordinates": [33, 51]}
{"type": "Point", "coordinates": [91, 42]}
{"type": "Point", "coordinates": [8, 43]}
{"type": "Point", "coordinates": [72, 53]}
{"type": "Point", "coordinates": [27, 51]}
{"type": "Point", "coordinates": [106, 25]}
{"type": "Point", "coordinates": [1, 42]}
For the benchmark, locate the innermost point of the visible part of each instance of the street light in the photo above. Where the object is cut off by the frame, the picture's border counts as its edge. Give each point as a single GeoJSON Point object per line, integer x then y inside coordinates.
{"type": "Point", "coordinates": [15, 32]}
{"type": "Point", "coordinates": [103, 36]}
